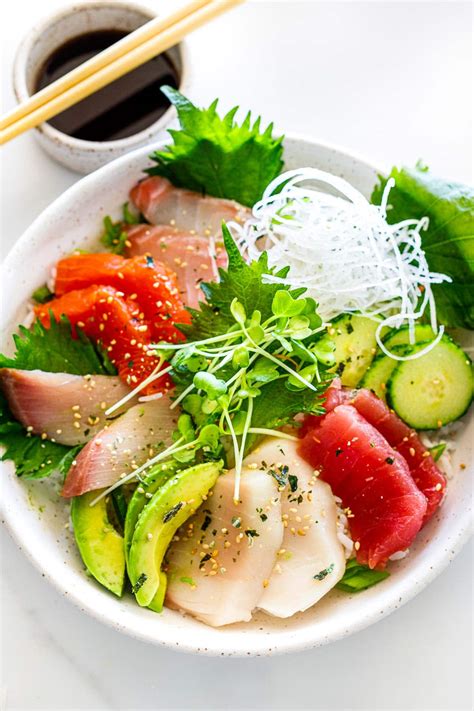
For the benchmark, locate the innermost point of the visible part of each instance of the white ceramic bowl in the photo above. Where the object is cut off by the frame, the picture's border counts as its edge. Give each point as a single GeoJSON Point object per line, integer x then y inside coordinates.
{"type": "Point", "coordinates": [73, 220]}
{"type": "Point", "coordinates": [50, 34]}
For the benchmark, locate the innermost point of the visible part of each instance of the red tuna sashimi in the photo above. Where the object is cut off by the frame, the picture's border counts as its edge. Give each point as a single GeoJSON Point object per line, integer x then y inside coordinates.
{"type": "Point", "coordinates": [68, 409]}
{"type": "Point", "coordinates": [424, 471]}
{"type": "Point", "coordinates": [193, 258]}
{"type": "Point", "coordinates": [163, 204]}
{"type": "Point", "coordinates": [105, 316]}
{"type": "Point", "coordinates": [124, 445]}
{"type": "Point", "coordinates": [148, 283]}
{"type": "Point", "coordinates": [371, 478]}
{"type": "Point", "coordinates": [405, 440]}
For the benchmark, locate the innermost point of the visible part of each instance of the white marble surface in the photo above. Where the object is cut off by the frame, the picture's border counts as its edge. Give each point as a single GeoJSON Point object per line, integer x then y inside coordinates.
{"type": "Point", "coordinates": [388, 79]}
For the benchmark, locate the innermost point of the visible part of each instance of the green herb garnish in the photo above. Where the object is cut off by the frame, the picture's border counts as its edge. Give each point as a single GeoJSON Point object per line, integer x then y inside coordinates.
{"type": "Point", "coordinates": [206, 523]}
{"type": "Point", "coordinates": [188, 581]}
{"type": "Point", "coordinates": [119, 504]}
{"type": "Point", "coordinates": [142, 578]}
{"type": "Point", "coordinates": [448, 241]}
{"type": "Point", "coordinates": [204, 560]}
{"type": "Point", "coordinates": [280, 475]}
{"type": "Point", "coordinates": [54, 350]}
{"type": "Point", "coordinates": [216, 156]}
{"type": "Point", "coordinates": [251, 533]}
{"type": "Point", "coordinates": [114, 237]}
{"type": "Point", "coordinates": [437, 450]}
{"type": "Point", "coordinates": [324, 573]}
{"type": "Point", "coordinates": [293, 482]}
{"type": "Point", "coordinates": [172, 512]}
{"type": "Point", "coordinates": [251, 363]}
{"type": "Point", "coordinates": [42, 294]}
{"type": "Point", "coordinates": [359, 577]}
{"type": "Point", "coordinates": [33, 457]}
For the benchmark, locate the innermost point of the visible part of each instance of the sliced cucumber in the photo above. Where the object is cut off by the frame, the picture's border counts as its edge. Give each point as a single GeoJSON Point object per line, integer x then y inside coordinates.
{"type": "Point", "coordinates": [355, 346]}
{"type": "Point", "coordinates": [379, 373]}
{"type": "Point", "coordinates": [401, 336]}
{"type": "Point", "coordinates": [433, 390]}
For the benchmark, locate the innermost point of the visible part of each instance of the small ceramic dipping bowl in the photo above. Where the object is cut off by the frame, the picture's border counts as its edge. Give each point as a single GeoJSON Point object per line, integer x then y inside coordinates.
{"type": "Point", "coordinates": [44, 39]}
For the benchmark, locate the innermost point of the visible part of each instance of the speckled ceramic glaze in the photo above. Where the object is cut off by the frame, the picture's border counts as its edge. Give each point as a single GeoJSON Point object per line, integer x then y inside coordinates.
{"type": "Point", "coordinates": [38, 519]}
{"type": "Point", "coordinates": [51, 33]}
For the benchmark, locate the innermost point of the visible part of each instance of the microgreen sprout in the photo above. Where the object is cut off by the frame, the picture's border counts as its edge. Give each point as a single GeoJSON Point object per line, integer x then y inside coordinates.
{"type": "Point", "coordinates": [265, 364]}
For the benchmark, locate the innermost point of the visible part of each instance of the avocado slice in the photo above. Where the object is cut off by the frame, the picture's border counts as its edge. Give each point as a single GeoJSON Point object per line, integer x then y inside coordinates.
{"type": "Point", "coordinates": [171, 505]}
{"type": "Point", "coordinates": [156, 477]}
{"type": "Point", "coordinates": [100, 546]}
{"type": "Point", "coordinates": [159, 600]}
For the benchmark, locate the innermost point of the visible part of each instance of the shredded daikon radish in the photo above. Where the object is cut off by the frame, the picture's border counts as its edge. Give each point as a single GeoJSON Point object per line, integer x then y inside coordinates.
{"type": "Point", "coordinates": [343, 251]}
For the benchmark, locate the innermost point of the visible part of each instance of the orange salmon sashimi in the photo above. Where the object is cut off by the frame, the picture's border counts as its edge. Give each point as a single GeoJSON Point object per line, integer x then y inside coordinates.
{"type": "Point", "coordinates": [372, 479]}
{"type": "Point", "coordinates": [143, 280]}
{"type": "Point", "coordinates": [106, 317]}
{"type": "Point", "coordinates": [193, 258]}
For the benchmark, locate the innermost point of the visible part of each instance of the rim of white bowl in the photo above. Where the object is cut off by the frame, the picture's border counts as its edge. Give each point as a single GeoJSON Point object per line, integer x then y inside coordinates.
{"type": "Point", "coordinates": [388, 600]}
{"type": "Point", "coordinates": [22, 93]}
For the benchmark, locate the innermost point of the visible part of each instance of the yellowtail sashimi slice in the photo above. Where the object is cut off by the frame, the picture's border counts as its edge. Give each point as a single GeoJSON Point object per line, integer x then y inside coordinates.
{"type": "Point", "coordinates": [222, 558]}
{"type": "Point", "coordinates": [163, 204]}
{"type": "Point", "coordinates": [68, 409]}
{"type": "Point", "coordinates": [123, 446]}
{"type": "Point", "coordinates": [311, 560]}
{"type": "Point", "coordinates": [193, 258]}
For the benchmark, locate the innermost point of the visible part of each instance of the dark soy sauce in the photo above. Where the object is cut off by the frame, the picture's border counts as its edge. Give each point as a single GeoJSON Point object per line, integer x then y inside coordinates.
{"type": "Point", "coordinates": [123, 108]}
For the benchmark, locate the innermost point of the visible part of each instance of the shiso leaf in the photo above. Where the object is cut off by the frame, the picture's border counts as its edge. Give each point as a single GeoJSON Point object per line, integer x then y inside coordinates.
{"type": "Point", "coordinates": [33, 457]}
{"type": "Point", "coordinates": [449, 240]}
{"type": "Point", "coordinates": [241, 281]}
{"type": "Point", "coordinates": [54, 350]}
{"type": "Point", "coordinates": [216, 156]}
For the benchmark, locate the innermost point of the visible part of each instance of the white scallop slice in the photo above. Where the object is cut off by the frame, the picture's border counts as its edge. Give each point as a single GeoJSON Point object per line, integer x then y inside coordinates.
{"type": "Point", "coordinates": [225, 554]}
{"type": "Point", "coordinates": [312, 558]}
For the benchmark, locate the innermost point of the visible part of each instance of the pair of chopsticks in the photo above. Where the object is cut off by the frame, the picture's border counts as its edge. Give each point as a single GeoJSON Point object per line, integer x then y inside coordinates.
{"type": "Point", "coordinates": [135, 49]}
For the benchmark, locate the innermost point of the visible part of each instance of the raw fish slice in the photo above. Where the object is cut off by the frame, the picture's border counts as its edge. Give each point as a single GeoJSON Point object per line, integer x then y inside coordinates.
{"type": "Point", "coordinates": [223, 588]}
{"type": "Point", "coordinates": [428, 478]}
{"type": "Point", "coordinates": [310, 544]}
{"type": "Point", "coordinates": [194, 258]}
{"type": "Point", "coordinates": [372, 479]}
{"type": "Point", "coordinates": [163, 204]}
{"type": "Point", "coordinates": [148, 285]}
{"type": "Point", "coordinates": [68, 409]}
{"type": "Point", "coordinates": [405, 440]}
{"type": "Point", "coordinates": [122, 446]}
{"type": "Point", "coordinates": [125, 338]}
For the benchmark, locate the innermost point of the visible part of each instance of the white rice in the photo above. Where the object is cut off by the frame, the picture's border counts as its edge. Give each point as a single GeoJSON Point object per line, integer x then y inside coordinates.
{"type": "Point", "coordinates": [343, 532]}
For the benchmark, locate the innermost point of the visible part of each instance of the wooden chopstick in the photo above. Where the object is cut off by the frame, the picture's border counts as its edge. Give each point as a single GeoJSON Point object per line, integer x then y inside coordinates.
{"type": "Point", "coordinates": [147, 31]}
{"type": "Point", "coordinates": [160, 38]}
